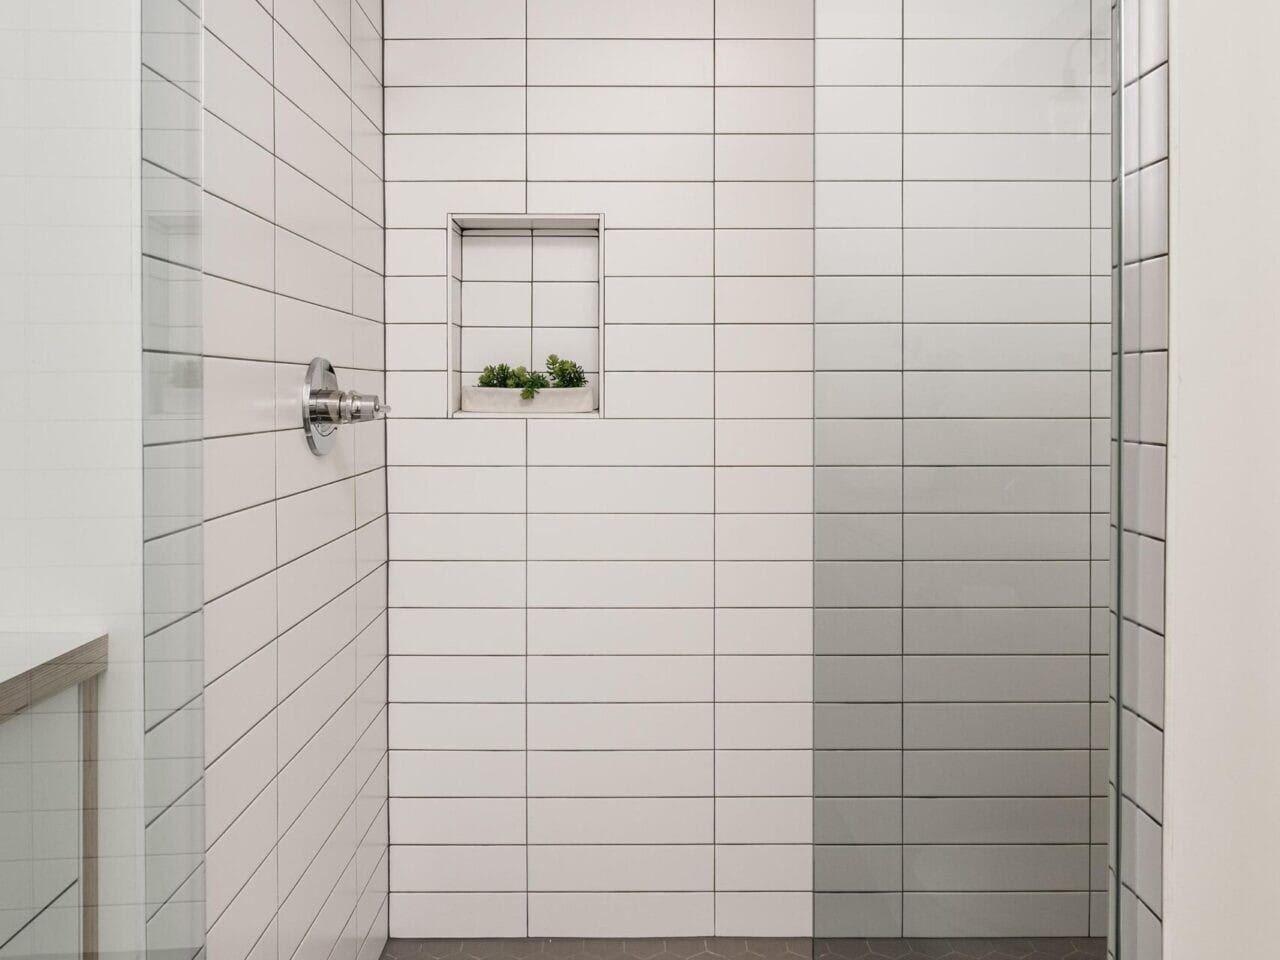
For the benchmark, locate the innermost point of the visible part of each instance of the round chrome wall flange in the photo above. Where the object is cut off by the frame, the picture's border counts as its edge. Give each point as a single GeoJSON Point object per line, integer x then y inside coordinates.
{"type": "Point", "coordinates": [319, 393]}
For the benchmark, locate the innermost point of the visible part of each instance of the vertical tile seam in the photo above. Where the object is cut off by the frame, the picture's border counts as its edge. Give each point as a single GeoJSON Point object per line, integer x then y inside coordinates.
{"type": "Point", "coordinates": [386, 492]}
{"type": "Point", "coordinates": [1115, 620]}
{"type": "Point", "coordinates": [525, 91]}
{"type": "Point", "coordinates": [813, 488]}
{"type": "Point", "coordinates": [1088, 879]}
{"type": "Point", "coordinates": [275, 580]}
{"type": "Point", "coordinates": [902, 471]}
{"type": "Point", "coordinates": [715, 612]}
{"type": "Point", "coordinates": [527, 921]}
{"type": "Point", "coordinates": [1164, 400]}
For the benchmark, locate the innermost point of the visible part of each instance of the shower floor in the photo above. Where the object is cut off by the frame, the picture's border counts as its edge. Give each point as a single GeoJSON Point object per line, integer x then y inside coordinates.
{"type": "Point", "coordinates": [736, 948]}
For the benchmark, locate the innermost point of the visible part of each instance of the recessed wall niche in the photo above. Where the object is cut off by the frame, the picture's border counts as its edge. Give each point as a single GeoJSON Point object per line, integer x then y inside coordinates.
{"type": "Point", "coordinates": [521, 288]}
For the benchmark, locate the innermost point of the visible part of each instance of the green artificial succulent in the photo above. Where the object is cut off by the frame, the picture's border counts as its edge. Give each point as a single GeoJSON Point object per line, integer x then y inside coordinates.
{"type": "Point", "coordinates": [560, 373]}
{"type": "Point", "coordinates": [496, 375]}
{"type": "Point", "coordinates": [531, 383]}
{"type": "Point", "coordinates": [565, 373]}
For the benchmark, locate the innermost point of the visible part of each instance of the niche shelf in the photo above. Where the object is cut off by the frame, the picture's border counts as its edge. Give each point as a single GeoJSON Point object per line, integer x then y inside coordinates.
{"type": "Point", "coordinates": [520, 287]}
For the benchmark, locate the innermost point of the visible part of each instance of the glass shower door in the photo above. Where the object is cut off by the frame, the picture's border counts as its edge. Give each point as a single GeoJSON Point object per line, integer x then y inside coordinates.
{"type": "Point", "coordinates": [962, 324]}
{"type": "Point", "coordinates": [101, 825]}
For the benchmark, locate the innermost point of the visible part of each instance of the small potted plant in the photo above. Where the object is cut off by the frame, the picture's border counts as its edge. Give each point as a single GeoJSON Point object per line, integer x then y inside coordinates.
{"type": "Point", "coordinates": [502, 389]}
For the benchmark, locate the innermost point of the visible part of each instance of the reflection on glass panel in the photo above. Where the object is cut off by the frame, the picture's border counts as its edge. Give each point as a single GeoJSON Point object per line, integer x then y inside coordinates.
{"type": "Point", "coordinates": [173, 743]}
{"type": "Point", "coordinates": [961, 540]}
{"type": "Point", "coordinates": [100, 579]}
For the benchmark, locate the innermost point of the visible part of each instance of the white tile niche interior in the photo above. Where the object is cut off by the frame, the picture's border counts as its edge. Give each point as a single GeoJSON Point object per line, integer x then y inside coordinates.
{"type": "Point", "coordinates": [521, 288]}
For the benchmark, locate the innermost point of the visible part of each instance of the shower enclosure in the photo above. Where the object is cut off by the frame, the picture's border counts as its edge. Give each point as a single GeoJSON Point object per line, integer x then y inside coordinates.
{"type": "Point", "coordinates": [840, 621]}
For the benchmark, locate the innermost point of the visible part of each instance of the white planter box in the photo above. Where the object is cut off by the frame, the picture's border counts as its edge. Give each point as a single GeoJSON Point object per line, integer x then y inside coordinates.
{"type": "Point", "coordinates": [548, 400]}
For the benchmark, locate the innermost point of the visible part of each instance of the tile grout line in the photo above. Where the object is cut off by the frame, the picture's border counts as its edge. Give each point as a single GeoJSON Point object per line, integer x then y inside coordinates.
{"type": "Point", "coordinates": [715, 611]}
{"type": "Point", "coordinates": [902, 438]}
{"type": "Point", "coordinates": [813, 494]}
{"type": "Point", "coordinates": [1089, 772]}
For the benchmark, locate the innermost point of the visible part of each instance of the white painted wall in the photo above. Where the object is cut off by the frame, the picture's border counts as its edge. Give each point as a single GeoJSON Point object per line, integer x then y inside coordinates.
{"type": "Point", "coordinates": [1222, 764]}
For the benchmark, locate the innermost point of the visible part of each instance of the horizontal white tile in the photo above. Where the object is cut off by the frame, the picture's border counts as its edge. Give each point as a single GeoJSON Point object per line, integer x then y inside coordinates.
{"type": "Point", "coordinates": [455, 726]}
{"type": "Point", "coordinates": [450, 489]}
{"type": "Point", "coordinates": [619, 489]}
{"type": "Point", "coordinates": [471, 536]}
{"type": "Point", "coordinates": [750, 443]}
{"type": "Point", "coordinates": [627, 773]}
{"type": "Point", "coordinates": [457, 915]}
{"type": "Point", "coordinates": [619, 869]}
{"type": "Point", "coordinates": [665, 156]}
{"type": "Point", "coordinates": [619, 110]}
{"type": "Point", "coordinates": [762, 204]}
{"type": "Point", "coordinates": [764, 726]}
{"type": "Point", "coordinates": [764, 867]}
{"type": "Point", "coordinates": [764, 914]}
{"type": "Point", "coordinates": [764, 490]}
{"type": "Point", "coordinates": [768, 253]}
{"type": "Point", "coordinates": [747, 536]}
{"type": "Point", "coordinates": [561, 536]}
{"type": "Point", "coordinates": [467, 820]}
{"type": "Point", "coordinates": [675, 583]}
{"type": "Point", "coordinates": [761, 773]}
{"type": "Point", "coordinates": [659, 300]}
{"type": "Point", "coordinates": [1002, 252]}
{"type": "Point", "coordinates": [774, 583]}
{"type": "Point", "coordinates": [620, 820]}
{"type": "Point", "coordinates": [455, 157]}
{"type": "Point", "coordinates": [493, 63]}
{"type": "Point", "coordinates": [659, 395]}
{"type": "Point", "coordinates": [659, 347]}
{"type": "Point", "coordinates": [470, 869]}
{"type": "Point", "coordinates": [620, 62]}
{"type": "Point", "coordinates": [858, 156]}
{"type": "Point", "coordinates": [764, 110]}
{"type": "Point", "coordinates": [620, 631]}
{"type": "Point", "coordinates": [764, 157]}
{"type": "Point", "coordinates": [942, 204]}
{"type": "Point", "coordinates": [455, 110]}
{"type": "Point", "coordinates": [764, 820]}
{"type": "Point", "coordinates": [858, 62]}
{"type": "Point", "coordinates": [772, 62]}
{"type": "Point", "coordinates": [455, 679]}
{"type": "Point", "coordinates": [1006, 110]}
{"type": "Point", "coordinates": [619, 18]}
{"type": "Point", "coordinates": [995, 62]}
{"type": "Point", "coordinates": [652, 915]}
{"type": "Point", "coordinates": [457, 773]}
{"type": "Point", "coordinates": [857, 110]}
{"type": "Point", "coordinates": [475, 631]}
{"type": "Point", "coordinates": [764, 679]}
{"type": "Point", "coordinates": [624, 726]}
{"type": "Point", "coordinates": [995, 156]}
{"type": "Point", "coordinates": [603, 679]}
{"type": "Point", "coordinates": [455, 18]}
{"type": "Point", "coordinates": [453, 583]}
{"type": "Point", "coordinates": [998, 18]}
{"type": "Point", "coordinates": [762, 18]}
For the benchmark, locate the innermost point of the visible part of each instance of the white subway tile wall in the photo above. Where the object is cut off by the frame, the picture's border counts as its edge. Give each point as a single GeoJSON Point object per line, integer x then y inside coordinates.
{"type": "Point", "coordinates": [295, 546]}
{"type": "Point", "coordinates": [1140, 355]}
{"type": "Point", "coordinates": [855, 263]}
